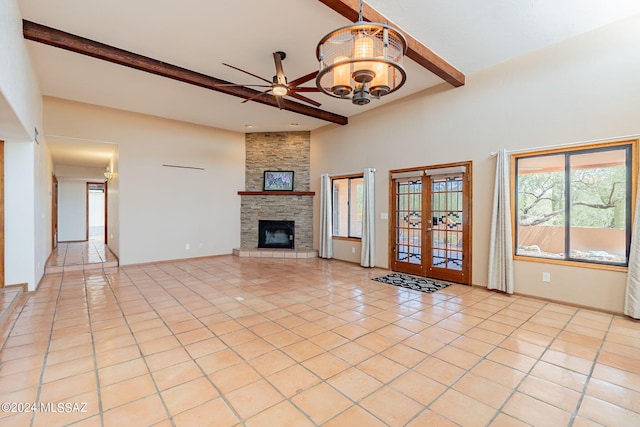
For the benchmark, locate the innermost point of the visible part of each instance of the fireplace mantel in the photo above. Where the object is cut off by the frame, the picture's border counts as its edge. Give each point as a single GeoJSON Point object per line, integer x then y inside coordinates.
{"type": "Point", "coordinates": [276, 193]}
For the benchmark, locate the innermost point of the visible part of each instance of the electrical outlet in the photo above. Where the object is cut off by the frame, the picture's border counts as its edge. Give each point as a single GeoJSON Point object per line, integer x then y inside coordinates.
{"type": "Point", "coordinates": [188, 246]}
{"type": "Point", "coordinates": [200, 245]}
{"type": "Point", "coordinates": [546, 277]}
{"type": "Point", "coordinates": [353, 250]}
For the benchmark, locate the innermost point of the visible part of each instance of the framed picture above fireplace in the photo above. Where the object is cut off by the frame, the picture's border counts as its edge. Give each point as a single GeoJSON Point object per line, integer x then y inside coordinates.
{"type": "Point", "coordinates": [278, 180]}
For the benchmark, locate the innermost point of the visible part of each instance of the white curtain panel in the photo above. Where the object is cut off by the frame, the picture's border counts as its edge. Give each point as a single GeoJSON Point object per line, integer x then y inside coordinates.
{"type": "Point", "coordinates": [501, 246]}
{"type": "Point", "coordinates": [368, 250]}
{"type": "Point", "coordinates": [326, 217]}
{"type": "Point", "coordinates": [632, 296]}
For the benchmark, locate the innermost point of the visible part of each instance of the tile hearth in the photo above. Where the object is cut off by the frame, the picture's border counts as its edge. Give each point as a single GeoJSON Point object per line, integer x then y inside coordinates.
{"type": "Point", "coordinates": [275, 253]}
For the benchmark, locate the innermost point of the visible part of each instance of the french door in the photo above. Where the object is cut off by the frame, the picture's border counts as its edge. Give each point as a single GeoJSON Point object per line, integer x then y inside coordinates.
{"type": "Point", "coordinates": [431, 222]}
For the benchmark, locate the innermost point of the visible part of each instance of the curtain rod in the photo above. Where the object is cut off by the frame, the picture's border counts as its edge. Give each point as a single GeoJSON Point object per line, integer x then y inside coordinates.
{"type": "Point", "coordinates": [570, 144]}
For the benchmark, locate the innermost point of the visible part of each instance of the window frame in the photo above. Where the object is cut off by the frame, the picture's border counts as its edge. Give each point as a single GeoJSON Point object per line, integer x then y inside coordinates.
{"type": "Point", "coordinates": [348, 177]}
{"type": "Point", "coordinates": [632, 177]}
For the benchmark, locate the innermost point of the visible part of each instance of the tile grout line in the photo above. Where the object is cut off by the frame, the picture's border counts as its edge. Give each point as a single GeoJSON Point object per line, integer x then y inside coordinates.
{"type": "Point", "coordinates": [409, 369]}
{"type": "Point", "coordinates": [221, 395]}
{"type": "Point", "coordinates": [142, 357]}
{"type": "Point", "coordinates": [298, 363]}
{"type": "Point", "coordinates": [547, 348]}
{"type": "Point", "coordinates": [468, 370]}
{"type": "Point", "coordinates": [589, 376]}
{"type": "Point", "coordinates": [388, 383]}
{"type": "Point", "coordinates": [514, 389]}
{"type": "Point", "coordinates": [262, 377]}
{"type": "Point", "coordinates": [44, 361]}
{"type": "Point", "coordinates": [93, 346]}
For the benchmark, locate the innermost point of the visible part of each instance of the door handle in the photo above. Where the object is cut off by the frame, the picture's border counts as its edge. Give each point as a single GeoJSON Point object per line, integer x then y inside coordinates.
{"type": "Point", "coordinates": [429, 229]}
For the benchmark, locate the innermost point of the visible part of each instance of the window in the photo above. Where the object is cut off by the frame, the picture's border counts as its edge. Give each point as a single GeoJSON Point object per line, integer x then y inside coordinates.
{"type": "Point", "coordinates": [347, 206]}
{"type": "Point", "coordinates": [575, 205]}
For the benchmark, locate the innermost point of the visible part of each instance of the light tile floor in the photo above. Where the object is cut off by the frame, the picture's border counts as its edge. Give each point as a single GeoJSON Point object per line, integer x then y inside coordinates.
{"type": "Point", "coordinates": [77, 256]}
{"type": "Point", "coordinates": [231, 341]}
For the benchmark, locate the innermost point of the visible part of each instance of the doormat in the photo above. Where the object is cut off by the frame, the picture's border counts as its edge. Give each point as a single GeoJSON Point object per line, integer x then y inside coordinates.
{"type": "Point", "coordinates": [412, 282]}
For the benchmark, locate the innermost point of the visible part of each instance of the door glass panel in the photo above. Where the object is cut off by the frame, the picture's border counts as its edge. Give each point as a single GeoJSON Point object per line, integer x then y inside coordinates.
{"type": "Point", "coordinates": [409, 221]}
{"type": "Point", "coordinates": [447, 218]}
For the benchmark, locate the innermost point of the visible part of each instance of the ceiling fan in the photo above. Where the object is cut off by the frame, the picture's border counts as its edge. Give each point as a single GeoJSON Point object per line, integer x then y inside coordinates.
{"type": "Point", "coordinates": [279, 86]}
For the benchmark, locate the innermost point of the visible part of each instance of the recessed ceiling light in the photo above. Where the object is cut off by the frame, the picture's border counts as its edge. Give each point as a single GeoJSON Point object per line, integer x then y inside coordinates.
{"type": "Point", "coordinates": [248, 126]}
{"type": "Point", "coordinates": [294, 124]}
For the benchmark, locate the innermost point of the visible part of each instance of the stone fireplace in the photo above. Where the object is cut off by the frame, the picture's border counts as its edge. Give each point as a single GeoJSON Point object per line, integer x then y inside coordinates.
{"type": "Point", "coordinates": [272, 151]}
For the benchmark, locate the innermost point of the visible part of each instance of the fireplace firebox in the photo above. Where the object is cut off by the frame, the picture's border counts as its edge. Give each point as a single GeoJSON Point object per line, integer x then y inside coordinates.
{"type": "Point", "coordinates": [276, 234]}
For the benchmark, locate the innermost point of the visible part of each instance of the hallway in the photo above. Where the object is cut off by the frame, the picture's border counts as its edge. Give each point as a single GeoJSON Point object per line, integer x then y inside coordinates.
{"type": "Point", "coordinates": [92, 254]}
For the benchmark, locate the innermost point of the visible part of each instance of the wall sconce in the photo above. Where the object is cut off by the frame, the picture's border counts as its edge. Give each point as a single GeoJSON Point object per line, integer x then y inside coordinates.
{"type": "Point", "coordinates": [108, 175]}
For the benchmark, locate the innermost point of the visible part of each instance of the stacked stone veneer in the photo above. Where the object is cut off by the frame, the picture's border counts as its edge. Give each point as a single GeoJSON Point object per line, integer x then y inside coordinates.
{"type": "Point", "coordinates": [285, 151]}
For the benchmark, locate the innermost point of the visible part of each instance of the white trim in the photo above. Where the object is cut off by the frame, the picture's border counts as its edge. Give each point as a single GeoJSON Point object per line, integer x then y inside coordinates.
{"type": "Point", "coordinates": [410, 174]}
{"type": "Point", "coordinates": [454, 170]}
{"type": "Point", "coordinates": [333, 175]}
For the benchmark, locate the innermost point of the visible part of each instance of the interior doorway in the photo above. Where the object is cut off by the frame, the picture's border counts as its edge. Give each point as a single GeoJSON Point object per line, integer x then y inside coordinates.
{"type": "Point", "coordinates": [430, 227]}
{"type": "Point", "coordinates": [96, 211]}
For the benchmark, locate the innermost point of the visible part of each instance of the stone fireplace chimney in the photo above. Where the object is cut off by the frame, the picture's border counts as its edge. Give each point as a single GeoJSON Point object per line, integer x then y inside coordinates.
{"type": "Point", "coordinates": [269, 151]}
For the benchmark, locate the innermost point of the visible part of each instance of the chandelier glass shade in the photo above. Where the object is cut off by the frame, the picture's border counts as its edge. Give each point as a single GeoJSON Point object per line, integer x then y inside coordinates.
{"type": "Point", "coordinates": [108, 174]}
{"type": "Point", "coordinates": [361, 61]}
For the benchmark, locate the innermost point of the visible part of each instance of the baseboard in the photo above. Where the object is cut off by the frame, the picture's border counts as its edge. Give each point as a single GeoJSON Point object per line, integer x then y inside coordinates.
{"type": "Point", "coordinates": [166, 261]}
{"type": "Point", "coordinates": [570, 304]}
{"type": "Point", "coordinates": [24, 286]}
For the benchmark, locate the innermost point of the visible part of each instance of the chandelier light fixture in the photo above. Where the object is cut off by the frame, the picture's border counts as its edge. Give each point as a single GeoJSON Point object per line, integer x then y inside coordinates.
{"type": "Point", "coordinates": [108, 174]}
{"type": "Point", "coordinates": [361, 60]}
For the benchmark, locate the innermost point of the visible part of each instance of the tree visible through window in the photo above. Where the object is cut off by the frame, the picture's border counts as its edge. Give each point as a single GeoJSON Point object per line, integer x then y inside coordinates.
{"type": "Point", "coordinates": [347, 206]}
{"type": "Point", "coordinates": [575, 205]}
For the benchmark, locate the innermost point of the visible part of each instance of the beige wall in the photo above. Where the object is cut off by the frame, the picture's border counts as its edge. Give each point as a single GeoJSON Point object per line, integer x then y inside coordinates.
{"type": "Point", "coordinates": [27, 162]}
{"type": "Point", "coordinates": [583, 89]}
{"type": "Point", "coordinates": [113, 206]}
{"type": "Point", "coordinates": [162, 209]}
{"type": "Point", "coordinates": [20, 103]}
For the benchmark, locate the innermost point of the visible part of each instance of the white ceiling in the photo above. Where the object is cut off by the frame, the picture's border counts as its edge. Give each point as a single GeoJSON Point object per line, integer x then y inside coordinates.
{"type": "Point", "coordinates": [202, 34]}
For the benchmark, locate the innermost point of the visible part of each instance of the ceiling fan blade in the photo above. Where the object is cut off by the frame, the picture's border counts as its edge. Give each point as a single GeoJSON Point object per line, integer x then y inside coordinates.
{"type": "Point", "coordinates": [239, 85]}
{"type": "Point", "coordinates": [280, 102]}
{"type": "Point", "coordinates": [303, 79]}
{"type": "Point", "coordinates": [279, 72]}
{"type": "Point", "coordinates": [305, 89]}
{"type": "Point", "coordinates": [256, 95]}
{"type": "Point", "coordinates": [304, 98]}
{"type": "Point", "coordinates": [246, 72]}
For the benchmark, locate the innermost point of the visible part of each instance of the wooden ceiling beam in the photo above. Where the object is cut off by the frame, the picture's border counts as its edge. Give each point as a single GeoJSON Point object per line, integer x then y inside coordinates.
{"type": "Point", "coordinates": [417, 51]}
{"type": "Point", "coordinates": [53, 37]}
